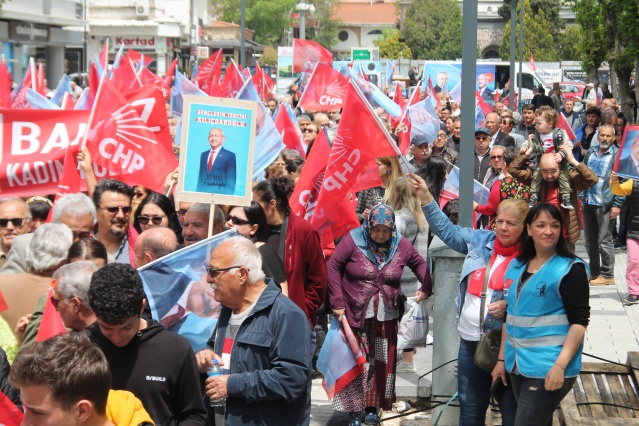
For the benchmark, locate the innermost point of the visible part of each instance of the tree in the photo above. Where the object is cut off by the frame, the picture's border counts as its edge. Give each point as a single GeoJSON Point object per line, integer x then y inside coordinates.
{"type": "Point", "coordinates": [433, 29]}
{"type": "Point", "coordinates": [390, 46]}
{"type": "Point", "coordinates": [326, 30]}
{"type": "Point", "coordinates": [550, 8]}
{"type": "Point", "coordinates": [538, 41]}
{"type": "Point", "coordinates": [568, 45]}
{"type": "Point", "coordinates": [269, 57]}
{"type": "Point", "coordinates": [594, 41]}
{"type": "Point", "coordinates": [267, 18]}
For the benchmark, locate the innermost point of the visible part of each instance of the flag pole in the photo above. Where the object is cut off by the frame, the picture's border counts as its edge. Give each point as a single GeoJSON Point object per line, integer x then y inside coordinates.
{"type": "Point", "coordinates": [389, 138]}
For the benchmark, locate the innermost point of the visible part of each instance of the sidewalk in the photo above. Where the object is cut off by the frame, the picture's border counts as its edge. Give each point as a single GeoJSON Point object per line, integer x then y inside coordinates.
{"type": "Point", "coordinates": [612, 333]}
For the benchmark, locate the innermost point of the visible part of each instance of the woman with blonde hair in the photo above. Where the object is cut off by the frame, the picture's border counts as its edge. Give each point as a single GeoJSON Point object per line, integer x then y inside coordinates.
{"type": "Point", "coordinates": [390, 170]}
{"type": "Point", "coordinates": [411, 223]}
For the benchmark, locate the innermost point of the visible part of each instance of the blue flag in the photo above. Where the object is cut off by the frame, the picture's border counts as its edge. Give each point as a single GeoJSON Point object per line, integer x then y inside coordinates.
{"type": "Point", "coordinates": [63, 87]}
{"type": "Point", "coordinates": [373, 95]}
{"type": "Point", "coordinates": [390, 68]}
{"type": "Point", "coordinates": [177, 292]}
{"type": "Point", "coordinates": [423, 120]}
{"type": "Point", "coordinates": [37, 101]}
{"type": "Point", "coordinates": [182, 87]}
{"type": "Point", "coordinates": [268, 141]}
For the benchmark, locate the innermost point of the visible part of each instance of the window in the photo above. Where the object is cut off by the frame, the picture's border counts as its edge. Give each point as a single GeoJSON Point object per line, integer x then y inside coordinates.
{"type": "Point", "coordinates": [343, 35]}
{"type": "Point", "coordinates": [375, 32]}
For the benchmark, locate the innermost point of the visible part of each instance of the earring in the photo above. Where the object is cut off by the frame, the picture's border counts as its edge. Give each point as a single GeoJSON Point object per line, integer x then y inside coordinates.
{"type": "Point", "coordinates": [388, 172]}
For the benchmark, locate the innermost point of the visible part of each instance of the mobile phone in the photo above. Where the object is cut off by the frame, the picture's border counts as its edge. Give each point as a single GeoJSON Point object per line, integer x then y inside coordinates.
{"type": "Point", "coordinates": [498, 390]}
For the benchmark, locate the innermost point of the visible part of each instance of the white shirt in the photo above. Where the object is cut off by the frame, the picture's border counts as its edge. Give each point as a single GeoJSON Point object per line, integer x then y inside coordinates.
{"type": "Point", "coordinates": [214, 154]}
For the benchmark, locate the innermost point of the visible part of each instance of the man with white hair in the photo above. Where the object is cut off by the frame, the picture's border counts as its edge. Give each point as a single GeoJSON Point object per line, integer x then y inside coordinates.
{"type": "Point", "coordinates": [14, 221]}
{"type": "Point", "coordinates": [73, 210]}
{"type": "Point", "coordinates": [70, 294]}
{"type": "Point", "coordinates": [271, 367]}
{"type": "Point", "coordinates": [45, 254]}
{"type": "Point", "coordinates": [196, 223]}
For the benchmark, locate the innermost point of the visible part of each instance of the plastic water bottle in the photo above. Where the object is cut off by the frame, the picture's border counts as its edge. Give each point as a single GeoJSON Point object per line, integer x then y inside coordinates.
{"type": "Point", "coordinates": [211, 372]}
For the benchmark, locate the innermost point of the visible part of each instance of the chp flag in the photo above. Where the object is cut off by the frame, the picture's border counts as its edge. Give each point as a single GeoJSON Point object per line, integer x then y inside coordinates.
{"type": "Point", "coordinates": [326, 90]}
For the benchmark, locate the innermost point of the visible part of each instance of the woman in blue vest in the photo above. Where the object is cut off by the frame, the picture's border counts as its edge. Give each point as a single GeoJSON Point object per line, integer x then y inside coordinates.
{"type": "Point", "coordinates": [488, 254]}
{"type": "Point", "coordinates": [547, 316]}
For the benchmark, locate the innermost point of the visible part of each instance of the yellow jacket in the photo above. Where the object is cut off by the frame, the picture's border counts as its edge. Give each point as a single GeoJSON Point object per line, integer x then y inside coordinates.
{"type": "Point", "coordinates": [125, 409]}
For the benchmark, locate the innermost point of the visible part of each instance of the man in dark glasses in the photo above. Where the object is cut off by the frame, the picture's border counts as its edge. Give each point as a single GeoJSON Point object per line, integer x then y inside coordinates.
{"type": "Point", "coordinates": [14, 220]}
{"type": "Point", "coordinates": [112, 200]}
{"type": "Point", "coordinates": [74, 210]}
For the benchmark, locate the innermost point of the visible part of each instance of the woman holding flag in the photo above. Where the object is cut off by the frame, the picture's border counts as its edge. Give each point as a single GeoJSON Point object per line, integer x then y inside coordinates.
{"type": "Point", "coordinates": [488, 255]}
{"type": "Point", "coordinates": [364, 276]}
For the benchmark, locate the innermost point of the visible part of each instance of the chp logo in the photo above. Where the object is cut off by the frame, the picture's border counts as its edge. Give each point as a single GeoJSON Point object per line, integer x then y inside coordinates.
{"type": "Point", "coordinates": [334, 94]}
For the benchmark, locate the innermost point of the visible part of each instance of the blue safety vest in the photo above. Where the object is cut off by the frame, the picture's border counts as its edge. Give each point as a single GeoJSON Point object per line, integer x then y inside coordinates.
{"type": "Point", "coordinates": [536, 324]}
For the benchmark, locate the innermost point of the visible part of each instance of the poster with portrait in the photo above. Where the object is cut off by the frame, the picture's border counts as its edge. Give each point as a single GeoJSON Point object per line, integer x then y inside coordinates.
{"type": "Point", "coordinates": [485, 82]}
{"type": "Point", "coordinates": [217, 148]}
{"type": "Point", "coordinates": [445, 76]}
{"type": "Point", "coordinates": [178, 294]}
{"type": "Point", "coordinates": [627, 161]}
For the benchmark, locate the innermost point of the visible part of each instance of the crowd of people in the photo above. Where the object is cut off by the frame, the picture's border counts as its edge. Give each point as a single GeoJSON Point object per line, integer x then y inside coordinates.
{"type": "Point", "coordinates": [277, 284]}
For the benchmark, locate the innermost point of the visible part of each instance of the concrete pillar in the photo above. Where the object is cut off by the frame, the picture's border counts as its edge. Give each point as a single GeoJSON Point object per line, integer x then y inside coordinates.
{"type": "Point", "coordinates": [447, 265]}
{"type": "Point", "coordinates": [55, 65]}
{"type": "Point", "coordinates": [17, 65]}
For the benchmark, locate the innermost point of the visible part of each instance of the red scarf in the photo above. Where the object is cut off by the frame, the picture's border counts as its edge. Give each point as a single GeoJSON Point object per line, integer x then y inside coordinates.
{"type": "Point", "coordinates": [496, 280]}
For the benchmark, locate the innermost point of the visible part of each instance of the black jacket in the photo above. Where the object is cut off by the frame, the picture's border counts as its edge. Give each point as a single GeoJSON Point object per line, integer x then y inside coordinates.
{"type": "Point", "coordinates": [270, 371]}
{"type": "Point", "coordinates": [159, 367]}
{"type": "Point", "coordinates": [5, 387]}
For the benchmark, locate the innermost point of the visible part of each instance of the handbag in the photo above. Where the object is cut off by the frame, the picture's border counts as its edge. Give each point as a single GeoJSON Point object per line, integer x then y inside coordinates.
{"type": "Point", "coordinates": [487, 350]}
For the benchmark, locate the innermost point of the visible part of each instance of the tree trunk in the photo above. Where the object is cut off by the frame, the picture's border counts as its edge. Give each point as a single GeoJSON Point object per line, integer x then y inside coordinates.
{"type": "Point", "coordinates": [613, 80]}
{"type": "Point", "coordinates": [623, 75]}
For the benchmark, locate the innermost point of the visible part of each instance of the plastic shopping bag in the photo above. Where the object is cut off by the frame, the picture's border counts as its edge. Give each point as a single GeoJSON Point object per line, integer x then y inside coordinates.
{"type": "Point", "coordinates": [413, 327]}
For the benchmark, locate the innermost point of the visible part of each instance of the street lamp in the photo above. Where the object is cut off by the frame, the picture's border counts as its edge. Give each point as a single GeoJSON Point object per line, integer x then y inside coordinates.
{"type": "Point", "coordinates": [303, 8]}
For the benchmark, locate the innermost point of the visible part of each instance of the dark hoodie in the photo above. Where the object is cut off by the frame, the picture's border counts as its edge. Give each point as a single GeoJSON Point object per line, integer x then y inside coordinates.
{"type": "Point", "coordinates": [158, 367]}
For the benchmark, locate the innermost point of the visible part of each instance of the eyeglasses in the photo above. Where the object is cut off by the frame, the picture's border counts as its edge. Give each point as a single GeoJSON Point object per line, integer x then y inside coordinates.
{"type": "Point", "coordinates": [16, 221]}
{"type": "Point", "coordinates": [307, 130]}
{"type": "Point", "coordinates": [181, 212]}
{"type": "Point", "coordinates": [481, 138]}
{"type": "Point", "coordinates": [441, 136]}
{"type": "Point", "coordinates": [496, 157]}
{"type": "Point", "coordinates": [156, 220]}
{"type": "Point", "coordinates": [237, 221]}
{"type": "Point", "coordinates": [505, 121]}
{"type": "Point", "coordinates": [115, 210]}
{"type": "Point", "coordinates": [81, 235]}
{"type": "Point", "coordinates": [214, 273]}
{"type": "Point", "coordinates": [55, 302]}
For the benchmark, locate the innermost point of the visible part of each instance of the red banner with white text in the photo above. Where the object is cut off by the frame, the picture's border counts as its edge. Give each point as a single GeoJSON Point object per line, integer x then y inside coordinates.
{"type": "Point", "coordinates": [33, 146]}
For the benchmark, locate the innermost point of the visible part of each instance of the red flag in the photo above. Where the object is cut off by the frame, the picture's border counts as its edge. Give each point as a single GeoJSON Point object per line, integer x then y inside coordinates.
{"type": "Point", "coordinates": [289, 131]}
{"type": "Point", "coordinates": [326, 90]}
{"type": "Point", "coordinates": [136, 57]}
{"type": "Point", "coordinates": [532, 63]}
{"type": "Point", "coordinates": [168, 78]}
{"type": "Point", "coordinates": [67, 101]}
{"type": "Point", "coordinates": [398, 98]}
{"type": "Point", "coordinates": [307, 52]}
{"type": "Point", "coordinates": [10, 415]}
{"type": "Point", "coordinates": [486, 109]}
{"type": "Point", "coordinates": [232, 83]}
{"type": "Point", "coordinates": [208, 73]}
{"type": "Point", "coordinates": [104, 55]}
{"type": "Point", "coordinates": [29, 82]}
{"type": "Point", "coordinates": [5, 86]}
{"type": "Point", "coordinates": [70, 180]}
{"type": "Point", "coordinates": [149, 104]}
{"type": "Point", "coordinates": [361, 138]}
{"type": "Point", "coordinates": [258, 82]}
{"type": "Point", "coordinates": [94, 79]}
{"type": "Point", "coordinates": [147, 77]}
{"type": "Point", "coordinates": [125, 77]}
{"type": "Point", "coordinates": [120, 142]}
{"type": "Point", "coordinates": [3, 303]}
{"type": "Point", "coordinates": [563, 124]}
{"type": "Point", "coordinates": [41, 85]}
{"type": "Point", "coordinates": [51, 323]}
{"type": "Point", "coordinates": [404, 137]}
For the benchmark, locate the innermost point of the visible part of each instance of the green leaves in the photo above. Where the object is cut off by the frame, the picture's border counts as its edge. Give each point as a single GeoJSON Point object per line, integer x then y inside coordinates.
{"type": "Point", "coordinates": [390, 46]}
{"type": "Point", "coordinates": [433, 29]}
{"type": "Point", "coordinates": [538, 39]}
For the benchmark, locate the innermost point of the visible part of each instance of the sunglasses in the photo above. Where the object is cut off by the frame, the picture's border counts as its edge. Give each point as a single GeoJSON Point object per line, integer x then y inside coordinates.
{"type": "Point", "coordinates": [156, 220]}
{"type": "Point", "coordinates": [505, 121]}
{"type": "Point", "coordinates": [214, 273]}
{"type": "Point", "coordinates": [115, 210]}
{"type": "Point", "coordinates": [496, 157]}
{"type": "Point", "coordinates": [16, 221]}
{"type": "Point", "coordinates": [237, 221]}
{"type": "Point", "coordinates": [55, 302]}
{"type": "Point", "coordinates": [307, 130]}
{"type": "Point", "coordinates": [481, 138]}
{"type": "Point", "coordinates": [441, 136]}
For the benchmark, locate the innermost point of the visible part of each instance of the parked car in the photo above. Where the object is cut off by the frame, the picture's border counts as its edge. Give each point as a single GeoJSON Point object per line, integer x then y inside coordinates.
{"type": "Point", "coordinates": [573, 90]}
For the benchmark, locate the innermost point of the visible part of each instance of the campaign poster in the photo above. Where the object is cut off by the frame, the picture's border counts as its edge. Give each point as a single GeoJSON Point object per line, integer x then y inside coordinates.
{"type": "Point", "coordinates": [285, 74]}
{"type": "Point", "coordinates": [485, 82]}
{"type": "Point", "coordinates": [627, 161]}
{"type": "Point", "coordinates": [216, 157]}
{"type": "Point", "coordinates": [445, 76]}
{"type": "Point", "coordinates": [177, 292]}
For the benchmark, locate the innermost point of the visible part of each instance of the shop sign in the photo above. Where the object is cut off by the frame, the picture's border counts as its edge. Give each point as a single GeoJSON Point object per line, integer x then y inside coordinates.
{"type": "Point", "coordinates": [26, 31]}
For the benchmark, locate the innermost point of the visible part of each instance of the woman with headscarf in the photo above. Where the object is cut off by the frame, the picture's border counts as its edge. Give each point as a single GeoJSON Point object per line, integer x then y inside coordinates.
{"type": "Point", "coordinates": [364, 277]}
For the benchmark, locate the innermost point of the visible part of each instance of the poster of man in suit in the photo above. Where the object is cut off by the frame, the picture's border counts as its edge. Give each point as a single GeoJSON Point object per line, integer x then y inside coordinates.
{"type": "Point", "coordinates": [216, 156]}
{"type": "Point", "coordinates": [627, 162]}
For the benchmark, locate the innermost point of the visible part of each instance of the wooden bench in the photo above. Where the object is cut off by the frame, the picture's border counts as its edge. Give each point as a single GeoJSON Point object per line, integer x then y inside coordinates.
{"type": "Point", "coordinates": [599, 384]}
